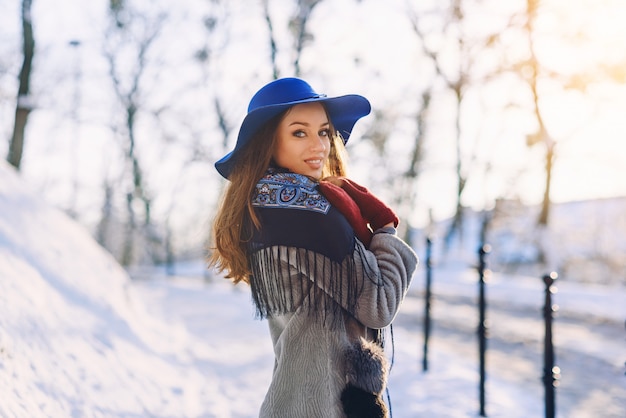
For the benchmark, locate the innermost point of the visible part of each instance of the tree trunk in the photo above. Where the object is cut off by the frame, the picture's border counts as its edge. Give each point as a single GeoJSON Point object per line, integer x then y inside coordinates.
{"type": "Point", "coordinates": [128, 251]}
{"type": "Point", "coordinates": [456, 227]}
{"type": "Point", "coordinates": [544, 215]}
{"type": "Point", "coordinates": [298, 26]}
{"type": "Point", "coordinates": [272, 39]}
{"type": "Point", "coordinates": [24, 103]}
{"type": "Point", "coordinates": [542, 135]}
{"type": "Point", "coordinates": [138, 191]}
{"type": "Point", "coordinates": [102, 232]}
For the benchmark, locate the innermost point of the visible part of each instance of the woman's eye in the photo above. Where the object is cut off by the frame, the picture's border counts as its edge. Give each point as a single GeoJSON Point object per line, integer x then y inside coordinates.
{"type": "Point", "coordinates": [325, 132]}
{"type": "Point", "coordinates": [299, 134]}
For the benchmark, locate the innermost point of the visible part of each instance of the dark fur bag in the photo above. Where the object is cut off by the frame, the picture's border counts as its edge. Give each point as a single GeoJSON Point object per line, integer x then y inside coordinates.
{"type": "Point", "coordinates": [366, 374]}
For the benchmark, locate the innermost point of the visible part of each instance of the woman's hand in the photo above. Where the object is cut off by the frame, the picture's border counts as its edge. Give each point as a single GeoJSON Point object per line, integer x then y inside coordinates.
{"type": "Point", "coordinates": [358, 205]}
{"type": "Point", "coordinates": [337, 181]}
{"type": "Point", "coordinates": [374, 210]}
{"type": "Point", "coordinates": [331, 189]}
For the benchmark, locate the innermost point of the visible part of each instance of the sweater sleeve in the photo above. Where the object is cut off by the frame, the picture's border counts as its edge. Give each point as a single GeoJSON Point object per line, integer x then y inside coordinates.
{"type": "Point", "coordinates": [385, 272]}
{"type": "Point", "coordinates": [378, 277]}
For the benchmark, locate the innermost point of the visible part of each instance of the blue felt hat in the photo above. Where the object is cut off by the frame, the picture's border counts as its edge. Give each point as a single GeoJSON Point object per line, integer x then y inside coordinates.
{"type": "Point", "coordinates": [281, 94]}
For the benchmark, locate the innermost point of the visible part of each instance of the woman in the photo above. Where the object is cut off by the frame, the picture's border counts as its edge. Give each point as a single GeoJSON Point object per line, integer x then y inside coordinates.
{"type": "Point", "coordinates": [296, 229]}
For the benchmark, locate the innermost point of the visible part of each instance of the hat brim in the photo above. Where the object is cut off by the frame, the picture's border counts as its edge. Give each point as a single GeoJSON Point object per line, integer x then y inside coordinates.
{"type": "Point", "coordinates": [343, 111]}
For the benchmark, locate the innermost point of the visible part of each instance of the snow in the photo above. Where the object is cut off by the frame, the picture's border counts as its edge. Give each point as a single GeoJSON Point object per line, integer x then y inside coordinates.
{"type": "Point", "coordinates": [80, 338]}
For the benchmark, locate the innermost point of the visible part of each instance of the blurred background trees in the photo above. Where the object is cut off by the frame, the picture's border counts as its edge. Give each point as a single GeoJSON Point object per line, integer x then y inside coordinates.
{"type": "Point", "coordinates": [474, 102]}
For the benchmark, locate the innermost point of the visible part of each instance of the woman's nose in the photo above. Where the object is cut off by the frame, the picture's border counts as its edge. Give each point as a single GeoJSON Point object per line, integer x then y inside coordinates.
{"type": "Point", "coordinates": [319, 143]}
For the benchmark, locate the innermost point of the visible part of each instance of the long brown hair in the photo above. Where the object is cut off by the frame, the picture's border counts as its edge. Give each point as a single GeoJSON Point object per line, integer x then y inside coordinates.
{"type": "Point", "coordinates": [236, 218]}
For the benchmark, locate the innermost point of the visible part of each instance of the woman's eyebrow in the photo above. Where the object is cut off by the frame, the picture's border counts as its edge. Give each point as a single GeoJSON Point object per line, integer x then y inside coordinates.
{"type": "Point", "coordinates": [306, 123]}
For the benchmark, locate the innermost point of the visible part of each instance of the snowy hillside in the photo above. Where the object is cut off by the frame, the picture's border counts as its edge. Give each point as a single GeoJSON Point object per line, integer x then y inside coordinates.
{"type": "Point", "coordinates": [73, 339]}
{"type": "Point", "coordinates": [79, 338]}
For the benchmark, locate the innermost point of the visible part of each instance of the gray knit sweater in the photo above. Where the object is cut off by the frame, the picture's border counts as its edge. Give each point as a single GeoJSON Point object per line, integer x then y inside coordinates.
{"type": "Point", "coordinates": [312, 353]}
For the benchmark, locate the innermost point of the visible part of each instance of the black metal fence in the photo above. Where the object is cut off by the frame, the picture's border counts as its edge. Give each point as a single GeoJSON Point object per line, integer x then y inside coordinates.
{"type": "Point", "coordinates": [551, 372]}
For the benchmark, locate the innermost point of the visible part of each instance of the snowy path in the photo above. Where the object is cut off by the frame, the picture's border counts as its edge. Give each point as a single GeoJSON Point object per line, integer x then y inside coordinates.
{"type": "Point", "coordinates": [588, 333]}
{"type": "Point", "coordinates": [232, 350]}
{"type": "Point", "coordinates": [224, 343]}
{"type": "Point", "coordinates": [592, 382]}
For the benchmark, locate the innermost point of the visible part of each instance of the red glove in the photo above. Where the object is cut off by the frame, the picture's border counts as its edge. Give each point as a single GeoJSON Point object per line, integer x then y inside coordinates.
{"type": "Point", "coordinates": [344, 203]}
{"type": "Point", "coordinates": [373, 209]}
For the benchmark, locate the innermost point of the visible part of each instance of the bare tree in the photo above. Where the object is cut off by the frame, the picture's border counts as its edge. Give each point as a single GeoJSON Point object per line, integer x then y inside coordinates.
{"type": "Point", "coordinates": [71, 210]}
{"type": "Point", "coordinates": [298, 26]}
{"type": "Point", "coordinates": [458, 79]}
{"type": "Point", "coordinates": [299, 30]}
{"type": "Point", "coordinates": [411, 175]}
{"type": "Point", "coordinates": [137, 32]}
{"type": "Point", "coordinates": [533, 73]}
{"type": "Point", "coordinates": [216, 41]}
{"type": "Point", "coordinates": [24, 101]}
{"type": "Point", "coordinates": [542, 136]}
{"type": "Point", "coordinates": [272, 39]}
{"type": "Point", "coordinates": [106, 216]}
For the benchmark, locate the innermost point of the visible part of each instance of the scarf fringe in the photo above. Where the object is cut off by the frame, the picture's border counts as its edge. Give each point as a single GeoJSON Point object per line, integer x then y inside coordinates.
{"type": "Point", "coordinates": [286, 279]}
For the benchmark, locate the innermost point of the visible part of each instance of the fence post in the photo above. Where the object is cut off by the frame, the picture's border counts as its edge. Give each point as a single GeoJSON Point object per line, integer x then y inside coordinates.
{"type": "Point", "coordinates": [429, 266]}
{"type": "Point", "coordinates": [551, 373]}
{"type": "Point", "coordinates": [483, 274]}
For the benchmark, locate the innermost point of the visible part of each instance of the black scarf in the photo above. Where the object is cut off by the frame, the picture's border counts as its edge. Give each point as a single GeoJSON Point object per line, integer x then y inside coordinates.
{"type": "Point", "coordinates": [294, 215]}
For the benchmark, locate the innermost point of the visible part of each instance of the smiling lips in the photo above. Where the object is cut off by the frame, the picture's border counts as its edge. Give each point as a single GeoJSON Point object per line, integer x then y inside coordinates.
{"type": "Point", "coordinates": [314, 161]}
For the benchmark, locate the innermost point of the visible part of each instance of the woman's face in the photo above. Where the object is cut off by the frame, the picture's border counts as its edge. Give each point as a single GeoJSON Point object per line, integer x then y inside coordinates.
{"type": "Point", "coordinates": [303, 140]}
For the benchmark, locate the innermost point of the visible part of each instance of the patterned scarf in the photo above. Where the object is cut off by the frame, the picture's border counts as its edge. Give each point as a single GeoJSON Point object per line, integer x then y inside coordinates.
{"type": "Point", "coordinates": [303, 251]}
